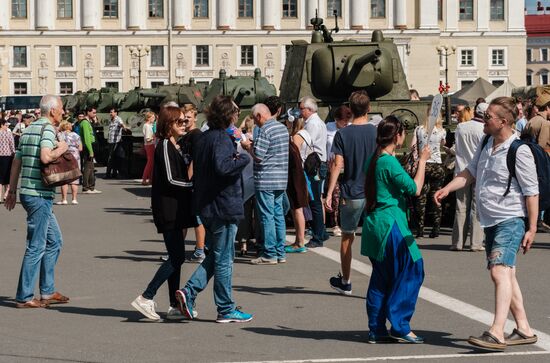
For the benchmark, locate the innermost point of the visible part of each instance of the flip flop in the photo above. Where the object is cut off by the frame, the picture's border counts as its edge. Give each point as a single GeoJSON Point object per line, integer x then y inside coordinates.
{"type": "Point", "coordinates": [55, 298]}
{"type": "Point", "coordinates": [519, 338]}
{"type": "Point", "coordinates": [487, 341]}
{"type": "Point", "coordinates": [31, 304]}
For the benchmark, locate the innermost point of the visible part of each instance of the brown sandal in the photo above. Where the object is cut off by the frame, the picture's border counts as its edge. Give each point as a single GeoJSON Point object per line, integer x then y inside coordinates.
{"type": "Point", "coordinates": [31, 304]}
{"type": "Point", "coordinates": [519, 338]}
{"type": "Point", "coordinates": [55, 298]}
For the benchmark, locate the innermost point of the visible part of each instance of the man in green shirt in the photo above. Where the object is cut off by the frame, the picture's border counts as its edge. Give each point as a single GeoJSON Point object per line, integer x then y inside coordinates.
{"type": "Point", "coordinates": [38, 145]}
{"type": "Point", "coordinates": [87, 157]}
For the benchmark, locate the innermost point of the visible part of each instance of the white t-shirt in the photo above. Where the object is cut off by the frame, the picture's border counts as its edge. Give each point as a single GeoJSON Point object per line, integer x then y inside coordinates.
{"type": "Point", "coordinates": [468, 137]}
{"type": "Point", "coordinates": [306, 148]}
{"type": "Point", "coordinates": [438, 135]}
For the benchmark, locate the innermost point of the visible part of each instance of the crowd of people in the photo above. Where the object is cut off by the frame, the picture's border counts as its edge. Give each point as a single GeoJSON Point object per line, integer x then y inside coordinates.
{"type": "Point", "coordinates": [236, 185]}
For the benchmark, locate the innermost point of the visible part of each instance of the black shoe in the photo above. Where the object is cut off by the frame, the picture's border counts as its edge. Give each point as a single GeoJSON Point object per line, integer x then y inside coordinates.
{"type": "Point", "coordinates": [420, 234]}
{"type": "Point", "coordinates": [434, 233]}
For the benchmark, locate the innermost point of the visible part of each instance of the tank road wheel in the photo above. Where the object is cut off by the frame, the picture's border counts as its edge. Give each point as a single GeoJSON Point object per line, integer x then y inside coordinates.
{"type": "Point", "coordinates": [408, 118]}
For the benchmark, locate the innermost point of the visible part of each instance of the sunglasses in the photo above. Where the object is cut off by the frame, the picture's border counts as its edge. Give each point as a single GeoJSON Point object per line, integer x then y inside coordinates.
{"type": "Point", "coordinates": [181, 121]}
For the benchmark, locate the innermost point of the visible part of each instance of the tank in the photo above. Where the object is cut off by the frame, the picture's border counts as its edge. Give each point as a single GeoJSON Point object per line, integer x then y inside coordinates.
{"type": "Point", "coordinates": [331, 70]}
{"type": "Point", "coordinates": [529, 92]}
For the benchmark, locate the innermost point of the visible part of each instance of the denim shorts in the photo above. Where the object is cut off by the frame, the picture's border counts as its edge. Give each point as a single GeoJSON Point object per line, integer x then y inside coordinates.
{"type": "Point", "coordinates": [351, 211]}
{"type": "Point", "coordinates": [502, 242]}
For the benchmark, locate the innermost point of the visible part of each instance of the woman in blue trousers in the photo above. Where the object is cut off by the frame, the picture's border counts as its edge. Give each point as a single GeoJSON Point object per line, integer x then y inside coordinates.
{"type": "Point", "coordinates": [398, 269]}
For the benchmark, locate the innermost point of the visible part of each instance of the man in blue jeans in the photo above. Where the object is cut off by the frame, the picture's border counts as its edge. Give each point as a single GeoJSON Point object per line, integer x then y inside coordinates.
{"type": "Point", "coordinates": [38, 144]}
{"type": "Point", "coordinates": [318, 132]}
{"type": "Point", "coordinates": [504, 217]}
{"type": "Point", "coordinates": [270, 154]}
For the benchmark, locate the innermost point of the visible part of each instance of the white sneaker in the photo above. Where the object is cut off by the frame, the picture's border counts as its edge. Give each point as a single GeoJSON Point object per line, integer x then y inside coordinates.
{"type": "Point", "coordinates": [336, 231]}
{"type": "Point", "coordinates": [74, 202]}
{"type": "Point", "coordinates": [95, 191]}
{"type": "Point", "coordinates": [146, 307]}
{"type": "Point", "coordinates": [62, 202]}
{"type": "Point", "coordinates": [89, 191]}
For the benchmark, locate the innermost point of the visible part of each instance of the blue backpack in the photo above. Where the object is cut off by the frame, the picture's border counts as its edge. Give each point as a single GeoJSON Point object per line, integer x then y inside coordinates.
{"type": "Point", "coordinates": [542, 162]}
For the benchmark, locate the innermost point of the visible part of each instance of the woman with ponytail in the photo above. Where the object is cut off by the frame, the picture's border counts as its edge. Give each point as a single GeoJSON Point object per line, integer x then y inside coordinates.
{"type": "Point", "coordinates": [398, 269]}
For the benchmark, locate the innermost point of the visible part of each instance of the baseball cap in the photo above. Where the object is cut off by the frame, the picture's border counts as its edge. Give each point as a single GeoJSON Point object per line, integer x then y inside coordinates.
{"type": "Point", "coordinates": [542, 100]}
{"type": "Point", "coordinates": [481, 108]}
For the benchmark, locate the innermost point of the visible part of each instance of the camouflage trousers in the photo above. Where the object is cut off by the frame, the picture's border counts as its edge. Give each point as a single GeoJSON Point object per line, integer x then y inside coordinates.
{"type": "Point", "coordinates": [433, 181]}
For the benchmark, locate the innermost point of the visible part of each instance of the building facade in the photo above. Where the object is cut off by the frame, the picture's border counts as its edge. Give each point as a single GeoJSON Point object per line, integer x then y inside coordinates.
{"type": "Point", "coordinates": [61, 46]}
{"type": "Point", "coordinates": [538, 46]}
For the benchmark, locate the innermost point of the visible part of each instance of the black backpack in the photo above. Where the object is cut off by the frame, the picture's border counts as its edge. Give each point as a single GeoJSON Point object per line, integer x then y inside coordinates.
{"type": "Point", "coordinates": [542, 162]}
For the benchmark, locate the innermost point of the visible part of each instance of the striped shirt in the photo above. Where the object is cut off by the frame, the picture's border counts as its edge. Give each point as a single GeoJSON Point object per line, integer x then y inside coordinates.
{"type": "Point", "coordinates": [28, 152]}
{"type": "Point", "coordinates": [271, 157]}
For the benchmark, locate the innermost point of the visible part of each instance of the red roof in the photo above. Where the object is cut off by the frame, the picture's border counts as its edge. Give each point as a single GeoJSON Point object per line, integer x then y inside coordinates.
{"type": "Point", "coordinates": [537, 25]}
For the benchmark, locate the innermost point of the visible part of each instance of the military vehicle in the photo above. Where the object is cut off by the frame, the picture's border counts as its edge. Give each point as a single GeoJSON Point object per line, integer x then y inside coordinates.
{"type": "Point", "coordinates": [529, 92]}
{"type": "Point", "coordinates": [132, 106]}
{"type": "Point", "coordinates": [331, 70]}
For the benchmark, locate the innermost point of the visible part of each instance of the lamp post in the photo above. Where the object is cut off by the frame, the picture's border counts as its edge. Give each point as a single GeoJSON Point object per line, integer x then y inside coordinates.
{"type": "Point", "coordinates": [446, 51]}
{"type": "Point", "coordinates": [140, 51]}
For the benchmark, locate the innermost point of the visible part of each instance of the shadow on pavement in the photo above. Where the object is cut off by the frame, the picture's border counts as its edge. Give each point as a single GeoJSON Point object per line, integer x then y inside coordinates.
{"type": "Point", "coordinates": [139, 191]}
{"type": "Point", "coordinates": [7, 301]}
{"type": "Point", "coordinates": [130, 211]}
{"type": "Point", "coordinates": [130, 315]}
{"type": "Point", "coordinates": [266, 291]}
{"type": "Point", "coordinates": [434, 247]}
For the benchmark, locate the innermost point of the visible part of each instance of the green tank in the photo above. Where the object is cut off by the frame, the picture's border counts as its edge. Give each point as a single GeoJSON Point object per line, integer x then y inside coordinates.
{"type": "Point", "coordinates": [529, 92]}
{"type": "Point", "coordinates": [331, 70]}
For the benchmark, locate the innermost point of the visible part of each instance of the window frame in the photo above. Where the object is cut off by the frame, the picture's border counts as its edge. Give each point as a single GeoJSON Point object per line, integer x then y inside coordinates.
{"type": "Point", "coordinates": [474, 58]}
{"type": "Point", "coordinates": [65, 3]}
{"type": "Point", "coordinates": [494, 6]}
{"type": "Point", "coordinates": [151, 6]}
{"type": "Point", "coordinates": [289, 4]}
{"type": "Point", "coordinates": [109, 81]}
{"type": "Point", "coordinates": [17, 4]}
{"type": "Point", "coordinates": [163, 59]}
{"type": "Point", "coordinates": [543, 55]}
{"type": "Point", "coordinates": [460, 14]}
{"type": "Point", "coordinates": [59, 56]}
{"type": "Point", "coordinates": [529, 54]}
{"type": "Point", "coordinates": [60, 87]}
{"type": "Point", "coordinates": [384, 10]}
{"type": "Point", "coordinates": [529, 78]}
{"type": "Point", "coordinates": [14, 63]}
{"type": "Point", "coordinates": [246, 6]}
{"type": "Point", "coordinates": [330, 14]}
{"type": "Point", "coordinates": [207, 66]}
{"type": "Point", "coordinates": [104, 60]}
{"type": "Point", "coordinates": [14, 87]}
{"type": "Point", "coordinates": [240, 50]}
{"type": "Point", "coordinates": [198, 7]}
{"type": "Point", "coordinates": [543, 73]}
{"type": "Point", "coordinates": [110, 4]}
{"type": "Point", "coordinates": [504, 57]}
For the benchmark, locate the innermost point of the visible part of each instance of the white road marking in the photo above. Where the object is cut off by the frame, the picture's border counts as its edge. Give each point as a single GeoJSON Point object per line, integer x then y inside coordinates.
{"type": "Point", "coordinates": [406, 357]}
{"type": "Point", "coordinates": [445, 301]}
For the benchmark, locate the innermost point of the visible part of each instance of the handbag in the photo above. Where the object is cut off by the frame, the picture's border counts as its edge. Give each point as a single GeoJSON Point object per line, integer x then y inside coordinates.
{"type": "Point", "coordinates": [60, 171]}
{"type": "Point", "coordinates": [312, 163]}
{"type": "Point", "coordinates": [412, 157]}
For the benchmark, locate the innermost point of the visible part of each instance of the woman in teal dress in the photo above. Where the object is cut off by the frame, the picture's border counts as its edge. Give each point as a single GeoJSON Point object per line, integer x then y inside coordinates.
{"type": "Point", "coordinates": [398, 269]}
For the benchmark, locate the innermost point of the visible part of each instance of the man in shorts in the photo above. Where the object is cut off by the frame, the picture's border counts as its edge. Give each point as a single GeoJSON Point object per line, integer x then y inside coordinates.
{"type": "Point", "coordinates": [504, 218]}
{"type": "Point", "coordinates": [352, 147]}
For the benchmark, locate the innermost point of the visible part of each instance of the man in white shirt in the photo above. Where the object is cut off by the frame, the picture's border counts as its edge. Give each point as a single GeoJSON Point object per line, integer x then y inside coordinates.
{"type": "Point", "coordinates": [318, 132]}
{"type": "Point", "coordinates": [503, 218]}
{"type": "Point", "coordinates": [468, 136]}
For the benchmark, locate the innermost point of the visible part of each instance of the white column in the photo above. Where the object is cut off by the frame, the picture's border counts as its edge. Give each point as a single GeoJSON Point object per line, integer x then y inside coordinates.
{"type": "Point", "coordinates": [311, 6]}
{"type": "Point", "coordinates": [90, 14]}
{"type": "Point", "coordinates": [359, 14]}
{"type": "Point", "coordinates": [428, 14]}
{"type": "Point", "coordinates": [4, 15]}
{"type": "Point", "coordinates": [516, 16]}
{"type": "Point", "coordinates": [271, 14]}
{"type": "Point", "coordinates": [451, 16]}
{"type": "Point", "coordinates": [483, 11]}
{"type": "Point", "coordinates": [182, 9]}
{"type": "Point", "coordinates": [390, 13]}
{"type": "Point", "coordinates": [226, 14]}
{"type": "Point", "coordinates": [137, 12]}
{"type": "Point", "coordinates": [400, 14]}
{"type": "Point", "coordinates": [45, 14]}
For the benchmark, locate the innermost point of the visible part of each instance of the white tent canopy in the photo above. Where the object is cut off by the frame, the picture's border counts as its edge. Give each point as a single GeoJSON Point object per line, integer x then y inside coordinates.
{"type": "Point", "coordinates": [504, 90]}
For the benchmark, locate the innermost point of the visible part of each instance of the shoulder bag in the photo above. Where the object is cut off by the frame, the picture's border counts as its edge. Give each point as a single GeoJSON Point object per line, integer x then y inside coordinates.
{"type": "Point", "coordinates": [60, 171]}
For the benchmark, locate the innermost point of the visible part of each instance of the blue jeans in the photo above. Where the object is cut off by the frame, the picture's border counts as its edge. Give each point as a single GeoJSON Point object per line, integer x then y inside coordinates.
{"type": "Point", "coordinates": [220, 241]}
{"type": "Point", "coordinates": [272, 220]}
{"type": "Point", "coordinates": [171, 269]}
{"type": "Point", "coordinates": [316, 205]}
{"type": "Point", "coordinates": [502, 242]}
{"type": "Point", "coordinates": [44, 243]}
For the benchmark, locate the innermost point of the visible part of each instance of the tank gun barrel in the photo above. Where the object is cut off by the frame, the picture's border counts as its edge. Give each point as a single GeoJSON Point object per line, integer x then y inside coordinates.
{"type": "Point", "coordinates": [152, 94]}
{"type": "Point", "coordinates": [371, 57]}
{"type": "Point", "coordinates": [240, 94]}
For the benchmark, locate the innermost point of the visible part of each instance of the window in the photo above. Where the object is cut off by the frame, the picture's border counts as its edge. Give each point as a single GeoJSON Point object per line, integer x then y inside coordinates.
{"type": "Point", "coordinates": [66, 88]}
{"type": "Point", "coordinates": [467, 58]}
{"type": "Point", "coordinates": [332, 6]}
{"type": "Point", "coordinates": [110, 9]}
{"type": "Point", "coordinates": [544, 55]}
{"type": "Point", "coordinates": [156, 8]}
{"type": "Point", "coordinates": [497, 83]}
{"type": "Point", "coordinates": [20, 56]}
{"type": "Point", "coordinates": [19, 9]}
{"type": "Point", "coordinates": [20, 88]}
{"type": "Point", "coordinates": [157, 56]}
{"type": "Point", "coordinates": [529, 79]}
{"type": "Point", "coordinates": [66, 56]}
{"type": "Point", "coordinates": [290, 9]}
{"type": "Point", "coordinates": [157, 84]}
{"type": "Point", "coordinates": [113, 85]}
{"type": "Point", "coordinates": [202, 56]}
{"type": "Point", "coordinates": [497, 9]}
{"type": "Point", "coordinates": [529, 55]}
{"type": "Point", "coordinates": [440, 10]}
{"type": "Point", "coordinates": [544, 77]}
{"type": "Point", "coordinates": [466, 10]}
{"type": "Point", "coordinates": [465, 83]}
{"type": "Point", "coordinates": [247, 55]}
{"type": "Point", "coordinates": [245, 9]}
{"type": "Point", "coordinates": [378, 9]}
{"type": "Point", "coordinates": [64, 9]}
{"type": "Point", "coordinates": [111, 56]}
{"type": "Point", "coordinates": [497, 57]}
{"type": "Point", "coordinates": [200, 8]}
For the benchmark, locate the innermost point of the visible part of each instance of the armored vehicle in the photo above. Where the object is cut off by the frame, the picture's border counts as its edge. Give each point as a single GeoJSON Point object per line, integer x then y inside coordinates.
{"type": "Point", "coordinates": [331, 70]}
